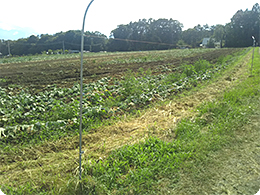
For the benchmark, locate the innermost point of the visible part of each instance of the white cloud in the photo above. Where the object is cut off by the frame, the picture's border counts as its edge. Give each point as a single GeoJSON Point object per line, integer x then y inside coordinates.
{"type": "Point", "coordinates": [6, 26]}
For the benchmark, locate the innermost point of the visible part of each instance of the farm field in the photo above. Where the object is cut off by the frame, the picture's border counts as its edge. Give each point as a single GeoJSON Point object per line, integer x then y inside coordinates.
{"type": "Point", "coordinates": [134, 107]}
{"type": "Point", "coordinates": [32, 107]}
{"type": "Point", "coordinates": [42, 71]}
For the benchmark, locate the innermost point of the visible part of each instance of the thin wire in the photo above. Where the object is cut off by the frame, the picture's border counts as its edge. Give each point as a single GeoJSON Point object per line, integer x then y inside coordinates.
{"type": "Point", "coordinates": [87, 45]}
{"type": "Point", "coordinates": [131, 40]}
{"type": "Point", "coordinates": [35, 44]}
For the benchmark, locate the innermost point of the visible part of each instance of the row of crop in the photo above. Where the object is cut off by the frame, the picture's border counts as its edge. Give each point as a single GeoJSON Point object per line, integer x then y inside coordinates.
{"type": "Point", "coordinates": [30, 58]}
{"type": "Point", "coordinates": [54, 112]}
{"type": "Point", "coordinates": [155, 56]}
{"type": "Point", "coordinates": [146, 56]}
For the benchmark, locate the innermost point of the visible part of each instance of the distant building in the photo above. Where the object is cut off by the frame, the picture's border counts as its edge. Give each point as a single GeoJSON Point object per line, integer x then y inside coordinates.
{"type": "Point", "coordinates": [205, 42]}
{"type": "Point", "coordinates": [217, 44]}
{"type": "Point", "coordinates": [73, 51]}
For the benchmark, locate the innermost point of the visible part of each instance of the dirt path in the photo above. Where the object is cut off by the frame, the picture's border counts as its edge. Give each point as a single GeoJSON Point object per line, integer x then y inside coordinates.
{"type": "Point", "coordinates": [239, 166]}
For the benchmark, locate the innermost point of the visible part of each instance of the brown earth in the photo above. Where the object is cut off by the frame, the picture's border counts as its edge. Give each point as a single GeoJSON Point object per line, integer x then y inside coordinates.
{"type": "Point", "coordinates": [65, 72]}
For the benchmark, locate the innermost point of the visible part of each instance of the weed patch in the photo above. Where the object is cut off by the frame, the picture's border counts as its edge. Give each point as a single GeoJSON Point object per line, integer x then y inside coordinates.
{"type": "Point", "coordinates": [133, 169]}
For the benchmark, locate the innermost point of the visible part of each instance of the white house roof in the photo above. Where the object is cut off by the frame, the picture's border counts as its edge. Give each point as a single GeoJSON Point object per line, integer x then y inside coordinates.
{"type": "Point", "coordinates": [205, 41]}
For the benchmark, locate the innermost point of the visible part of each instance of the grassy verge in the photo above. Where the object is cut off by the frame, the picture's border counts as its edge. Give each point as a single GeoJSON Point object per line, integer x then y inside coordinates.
{"type": "Point", "coordinates": [231, 127]}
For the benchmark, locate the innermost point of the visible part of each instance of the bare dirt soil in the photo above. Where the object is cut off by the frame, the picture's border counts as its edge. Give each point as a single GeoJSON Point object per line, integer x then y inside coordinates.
{"type": "Point", "coordinates": [65, 72]}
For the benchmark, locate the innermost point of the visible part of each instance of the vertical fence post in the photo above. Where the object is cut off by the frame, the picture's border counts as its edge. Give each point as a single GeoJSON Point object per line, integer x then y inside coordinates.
{"type": "Point", "coordinates": [253, 55]}
{"type": "Point", "coordinates": [81, 90]}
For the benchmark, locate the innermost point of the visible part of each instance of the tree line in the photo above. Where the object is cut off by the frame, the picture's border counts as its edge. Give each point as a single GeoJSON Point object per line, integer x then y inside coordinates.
{"type": "Point", "coordinates": [145, 34]}
{"type": "Point", "coordinates": [70, 40]}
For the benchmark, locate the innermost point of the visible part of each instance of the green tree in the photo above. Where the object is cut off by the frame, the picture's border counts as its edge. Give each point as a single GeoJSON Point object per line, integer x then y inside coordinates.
{"type": "Point", "coordinates": [140, 35]}
{"type": "Point", "coordinates": [211, 43]}
{"type": "Point", "coordinates": [190, 37]}
{"type": "Point", "coordinates": [166, 31]}
{"type": "Point", "coordinates": [219, 34]}
{"type": "Point", "coordinates": [44, 42]}
{"type": "Point", "coordinates": [3, 47]}
{"type": "Point", "coordinates": [118, 39]}
{"type": "Point", "coordinates": [194, 36]}
{"type": "Point", "coordinates": [243, 25]}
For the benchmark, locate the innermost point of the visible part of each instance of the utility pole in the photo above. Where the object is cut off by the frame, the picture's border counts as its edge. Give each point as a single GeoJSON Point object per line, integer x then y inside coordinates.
{"type": "Point", "coordinates": [91, 43]}
{"type": "Point", "coordinates": [63, 46]}
{"type": "Point", "coordinates": [8, 45]}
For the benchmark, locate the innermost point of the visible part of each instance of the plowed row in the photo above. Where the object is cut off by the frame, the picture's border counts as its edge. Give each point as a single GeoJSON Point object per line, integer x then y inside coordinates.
{"type": "Point", "coordinates": [65, 72]}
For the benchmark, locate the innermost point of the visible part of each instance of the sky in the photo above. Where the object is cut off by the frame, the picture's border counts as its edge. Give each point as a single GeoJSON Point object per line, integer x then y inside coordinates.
{"type": "Point", "coordinates": [53, 16]}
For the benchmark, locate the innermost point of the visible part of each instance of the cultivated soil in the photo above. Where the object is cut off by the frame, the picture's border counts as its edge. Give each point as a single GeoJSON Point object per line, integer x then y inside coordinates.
{"type": "Point", "coordinates": [65, 72]}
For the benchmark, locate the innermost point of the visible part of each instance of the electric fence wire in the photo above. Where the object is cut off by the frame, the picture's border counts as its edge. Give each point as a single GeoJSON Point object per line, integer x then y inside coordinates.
{"type": "Point", "coordinates": [55, 43]}
{"type": "Point", "coordinates": [63, 43]}
{"type": "Point", "coordinates": [93, 36]}
{"type": "Point", "coordinates": [131, 40]}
